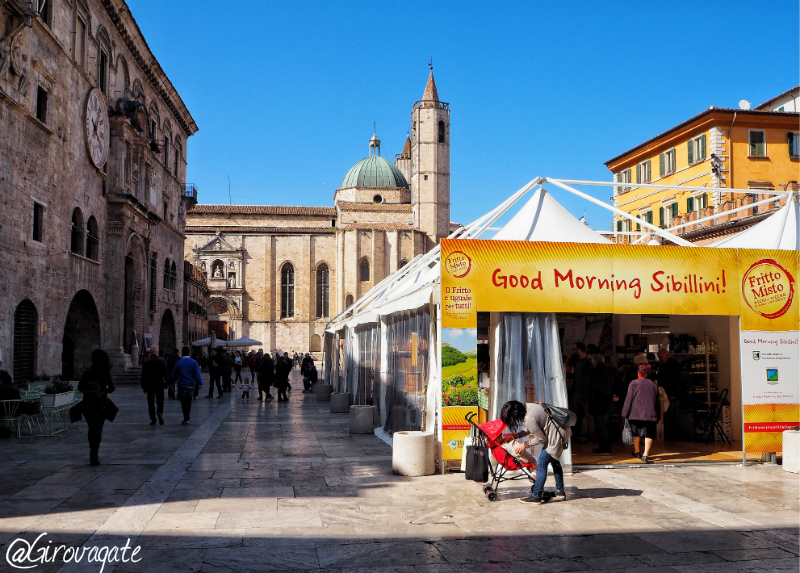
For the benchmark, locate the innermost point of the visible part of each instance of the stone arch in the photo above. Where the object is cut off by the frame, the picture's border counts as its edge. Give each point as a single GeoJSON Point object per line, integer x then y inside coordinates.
{"type": "Point", "coordinates": [363, 270]}
{"type": "Point", "coordinates": [348, 300]}
{"type": "Point", "coordinates": [221, 311]}
{"type": "Point", "coordinates": [316, 343]}
{"type": "Point", "coordinates": [167, 340]}
{"type": "Point", "coordinates": [26, 341]}
{"type": "Point", "coordinates": [81, 335]}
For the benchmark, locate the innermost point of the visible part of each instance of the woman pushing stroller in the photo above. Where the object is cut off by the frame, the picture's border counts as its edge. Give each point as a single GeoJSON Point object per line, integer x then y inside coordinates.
{"type": "Point", "coordinates": [532, 419]}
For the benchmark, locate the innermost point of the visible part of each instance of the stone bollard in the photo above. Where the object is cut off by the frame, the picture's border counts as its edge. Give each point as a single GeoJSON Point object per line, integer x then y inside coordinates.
{"type": "Point", "coordinates": [362, 419]}
{"type": "Point", "coordinates": [340, 402]}
{"type": "Point", "coordinates": [413, 454]}
{"type": "Point", "coordinates": [315, 386]}
{"type": "Point", "coordinates": [324, 392]}
{"type": "Point", "coordinates": [791, 451]}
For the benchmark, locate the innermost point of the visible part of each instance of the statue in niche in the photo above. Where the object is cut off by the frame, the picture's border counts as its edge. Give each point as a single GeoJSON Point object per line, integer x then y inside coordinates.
{"type": "Point", "coordinates": [203, 266]}
{"type": "Point", "coordinates": [232, 281]}
{"type": "Point", "coordinates": [218, 246]}
{"type": "Point", "coordinates": [231, 266]}
{"type": "Point", "coordinates": [218, 273]}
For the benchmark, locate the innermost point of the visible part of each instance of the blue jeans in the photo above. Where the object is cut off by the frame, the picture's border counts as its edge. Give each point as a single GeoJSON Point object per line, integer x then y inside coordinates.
{"type": "Point", "coordinates": [545, 460]}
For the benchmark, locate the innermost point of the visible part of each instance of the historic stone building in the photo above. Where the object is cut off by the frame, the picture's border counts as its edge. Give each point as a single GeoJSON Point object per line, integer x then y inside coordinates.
{"type": "Point", "coordinates": [278, 274]}
{"type": "Point", "coordinates": [92, 167]}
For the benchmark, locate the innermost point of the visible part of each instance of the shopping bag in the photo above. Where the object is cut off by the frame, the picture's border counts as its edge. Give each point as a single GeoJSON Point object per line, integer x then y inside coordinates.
{"type": "Point", "coordinates": [627, 434]}
{"type": "Point", "coordinates": [467, 443]}
{"type": "Point", "coordinates": [109, 410]}
{"type": "Point", "coordinates": [76, 412]}
{"type": "Point", "coordinates": [477, 463]}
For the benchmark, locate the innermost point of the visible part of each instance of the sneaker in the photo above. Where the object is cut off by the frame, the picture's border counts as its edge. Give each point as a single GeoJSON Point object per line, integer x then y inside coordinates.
{"type": "Point", "coordinates": [636, 454]}
{"type": "Point", "coordinates": [185, 422]}
{"type": "Point", "coordinates": [599, 452]}
{"type": "Point", "coordinates": [560, 496]}
{"type": "Point", "coordinates": [645, 460]}
{"type": "Point", "coordinates": [531, 499]}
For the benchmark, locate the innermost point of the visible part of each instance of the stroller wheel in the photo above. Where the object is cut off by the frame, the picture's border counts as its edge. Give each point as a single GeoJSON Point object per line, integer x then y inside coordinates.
{"type": "Point", "coordinates": [491, 496]}
{"type": "Point", "coordinates": [487, 488]}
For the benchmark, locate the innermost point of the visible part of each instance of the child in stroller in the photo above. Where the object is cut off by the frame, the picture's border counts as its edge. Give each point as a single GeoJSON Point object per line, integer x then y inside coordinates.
{"type": "Point", "coordinates": [491, 435]}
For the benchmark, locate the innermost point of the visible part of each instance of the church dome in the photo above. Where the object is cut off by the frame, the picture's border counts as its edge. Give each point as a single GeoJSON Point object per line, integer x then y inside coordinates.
{"type": "Point", "coordinates": [374, 171]}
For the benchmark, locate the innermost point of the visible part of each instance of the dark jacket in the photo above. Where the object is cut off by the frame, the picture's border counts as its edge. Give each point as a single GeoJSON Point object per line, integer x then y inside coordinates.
{"type": "Point", "coordinates": [642, 401]}
{"type": "Point", "coordinates": [601, 384]}
{"type": "Point", "coordinates": [155, 375]}
{"type": "Point", "coordinates": [95, 386]}
{"type": "Point", "coordinates": [266, 369]}
{"type": "Point", "coordinates": [283, 368]}
{"type": "Point", "coordinates": [669, 378]}
{"type": "Point", "coordinates": [307, 362]}
{"type": "Point", "coordinates": [583, 367]}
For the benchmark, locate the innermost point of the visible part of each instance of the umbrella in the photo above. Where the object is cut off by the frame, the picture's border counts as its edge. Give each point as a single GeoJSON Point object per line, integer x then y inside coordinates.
{"type": "Point", "coordinates": [207, 342]}
{"type": "Point", "coordinates": [244, 341]}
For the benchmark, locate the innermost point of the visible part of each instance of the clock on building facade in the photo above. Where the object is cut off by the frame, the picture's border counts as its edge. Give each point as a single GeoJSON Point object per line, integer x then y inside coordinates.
{"type": "Point", "coordinates": [97, 128]}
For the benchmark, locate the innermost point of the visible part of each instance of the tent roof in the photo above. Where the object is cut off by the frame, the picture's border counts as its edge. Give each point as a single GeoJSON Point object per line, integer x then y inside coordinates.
{"type": "Point", "coordinates": [543, 218]}
{"type": "Point", "coordinates": [778, 231]}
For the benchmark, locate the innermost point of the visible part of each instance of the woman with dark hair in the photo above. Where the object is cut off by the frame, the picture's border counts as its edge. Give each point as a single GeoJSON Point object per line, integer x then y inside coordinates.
{"type": "Point", "coordinates": [643, 410]}
{"type": "Point", "coordinates": [96, 383]}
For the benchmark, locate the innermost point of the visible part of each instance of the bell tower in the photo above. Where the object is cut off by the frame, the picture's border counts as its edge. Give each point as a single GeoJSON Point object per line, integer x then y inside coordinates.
{"type": "Point", "coordinates": [430, 164]}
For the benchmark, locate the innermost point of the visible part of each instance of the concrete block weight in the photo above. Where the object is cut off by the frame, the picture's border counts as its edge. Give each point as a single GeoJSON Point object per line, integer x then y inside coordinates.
{"type": "Point", "coordinates": [340, 402]}
{"type": "Point", "coordinates": [362, 419]}
{"type": "Point", "coordinates": [324, 392]}
{"type": "Point", "coordinates": [413, 454]}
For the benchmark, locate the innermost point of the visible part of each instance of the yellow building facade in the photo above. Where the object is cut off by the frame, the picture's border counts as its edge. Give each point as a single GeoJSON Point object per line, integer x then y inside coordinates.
{"type": "Point", "coordinates": [755, 149]}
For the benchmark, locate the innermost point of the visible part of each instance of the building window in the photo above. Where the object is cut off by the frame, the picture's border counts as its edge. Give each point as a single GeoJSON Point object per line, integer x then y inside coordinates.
{"type": "Point", "coordinates": [643, 172]}
{"type": "Point", "coordinates": [348, 301]}
{"type": "Point", "coordinates": [287, 291]}
{"type": "Point", "coordinates": [167, 285]}
{"type": "Point", "coordinates": [79, 43]}
{"type": "Point", "coordinates": [619, 226]}
{"type": "Point", "coordinates": [623, 177]}
{"type": "Point", "coordinates": [76, 239]}
{"type": "Point", "coordinates": [754, 198]}
{"type": "Point", "coordinates": [41, 104]}
{"type": "Point", "coordinates": [363, 271]}
{"type": "Point", "coordinates": [45, 12]}
{"type": "Point", "coordinates": [377, 199]}
{"type": "Point", "coordinates": [173, 276]}
{"type": "Point", "coordinates": [702, 201]}
{"type": "Point", "coordinates": [153, 283]}
{"type": "Point", "coordinates": [794, 144]}
{"type": "Point", "coordinates": [426, 178]}
{"type": "Point", "coordinates": [38, 222]}
{"type": "Point", "coordinates": [323, 291]}
{"type": "Point", "coordinates": [697, 149]}
{"type": "Point", "coordinates": [166, 152]}
{"type": "Point", "coordinates": [26, 322]}
{"type": "Point", "coordinates": [102, 73]}
{"type": "Point", "coordinates": [441, 132]}
{"type": "Point", "coordinates": [689, 204]}
{"type": "Point", "coordinates": [758, 143]}
{"type": "Point", "coordinates": [648, 217]}
{"type": "Point", "coordinates": [403, 263]}
{"type": "Point", "coordinates": [666, 162]}
{"type": "Point", "coordinates": [177, 164]}
{"type": "Point", "coordinates": [661, 214]}
{"type": "Point", "coordinates": [92, 239]}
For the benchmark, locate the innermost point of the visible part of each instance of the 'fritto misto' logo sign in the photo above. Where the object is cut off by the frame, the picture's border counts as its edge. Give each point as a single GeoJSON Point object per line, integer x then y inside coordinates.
{"type": "Point", "coordinates": [768, 288]}
{"type": "Point", "coordinates": [458, 264]}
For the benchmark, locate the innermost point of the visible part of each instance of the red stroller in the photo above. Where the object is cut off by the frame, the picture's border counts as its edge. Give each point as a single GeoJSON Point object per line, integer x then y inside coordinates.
{"type": "Point", "coordinates": [486, 435]}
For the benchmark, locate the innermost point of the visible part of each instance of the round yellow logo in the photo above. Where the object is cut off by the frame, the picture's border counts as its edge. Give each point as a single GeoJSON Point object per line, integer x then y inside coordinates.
{"type": "Point", "coordinates": [768, 288]}
{"type": "Point", "coordinates": [458, 264]}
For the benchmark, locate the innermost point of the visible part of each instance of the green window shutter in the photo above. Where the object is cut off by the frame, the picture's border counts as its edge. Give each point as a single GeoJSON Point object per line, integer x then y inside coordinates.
{"type": "Point", "coordinates": [661, 165]}
{"type": "Point", "coordinates": [619, 226]}
{"type": "Point", "coordinates": [690, 148]}
{"type": "Point", "coordinates": [639, 173]}
{"type": "Point", "coordinates": [690, 204]}
{"type": "Point", "coordinates": [650, 217]}
{"type": "Point", "coordinates": [638, 226]}
{"type": "Point", "coordinates": [674, 208]}
{"type": "Point", "coordinates": [661, 221]}
{"type": "Point", "coordinates": [792, 150]}
{"type": "Point", "coordinates": [702, 147]}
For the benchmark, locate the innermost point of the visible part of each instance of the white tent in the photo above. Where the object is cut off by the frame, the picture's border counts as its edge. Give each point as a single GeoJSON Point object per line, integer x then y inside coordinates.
{"type": "Point", "coordinates": [207, 342]}
{"type": "Point", "coordinates": [778, 231]}
{"type": "Point", "coordinates": [243, 341]}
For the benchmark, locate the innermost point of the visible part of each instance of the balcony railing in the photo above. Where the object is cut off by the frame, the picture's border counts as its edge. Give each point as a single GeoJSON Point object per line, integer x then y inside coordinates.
{"type": "Point", "coordinates": [190, 192]}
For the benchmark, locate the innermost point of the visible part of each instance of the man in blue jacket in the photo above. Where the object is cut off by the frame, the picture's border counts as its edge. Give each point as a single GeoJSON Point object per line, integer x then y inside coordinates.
{"type": "Point", "coordinates": [186, 375]}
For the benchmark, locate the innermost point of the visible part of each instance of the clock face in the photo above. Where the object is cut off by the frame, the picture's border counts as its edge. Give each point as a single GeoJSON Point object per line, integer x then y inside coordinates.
{"type": "Point", "coordinates": [97, 128]}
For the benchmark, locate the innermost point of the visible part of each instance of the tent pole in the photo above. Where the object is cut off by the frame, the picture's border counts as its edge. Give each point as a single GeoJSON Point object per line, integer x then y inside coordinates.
{"type": "Point", "coordinates": [660, 232]}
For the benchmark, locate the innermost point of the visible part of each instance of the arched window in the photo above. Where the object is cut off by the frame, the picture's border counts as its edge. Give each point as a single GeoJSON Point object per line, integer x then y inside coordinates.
{"type": "Point", "coordinates": [178, 154]}
{"type": "Point", "coordinates": [76, 240]}
{"type": "Point", "coordinates": [217, 269]}
{"type": "Point", "coordinates": [363, 270]}
{"type": "Point", "coordinates": [402, 264]}
{"type": "Point", "coordinates": [323, 291]}
{"type": "Point", "coordinates": [92, 239]}
{"type": "Point", "coordinates": [441, 132]}
{"type": "Point", "coordinates": [287, 291]}
{"type": "Point", "coordinates": [348, 301]}
{"type": "Point", "coordinates": [166, 275]}
{"type": "Point", "coordinates": [25, 350]}
{"type": "Point", "coordinates": [173, 276]}
{"type": "Point", "coordinates": [153, 281]}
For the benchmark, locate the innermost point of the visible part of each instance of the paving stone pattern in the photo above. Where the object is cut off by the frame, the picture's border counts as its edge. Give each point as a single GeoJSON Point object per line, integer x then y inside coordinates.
{"type": "Point", "coordinates": [284, 487]}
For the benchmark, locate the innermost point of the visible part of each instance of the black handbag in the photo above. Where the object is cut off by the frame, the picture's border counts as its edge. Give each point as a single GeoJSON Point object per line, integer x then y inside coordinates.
{"type": "Point", "coordinates": [477, 463]}
{"type": "Point", "coordinates": [109, 409]}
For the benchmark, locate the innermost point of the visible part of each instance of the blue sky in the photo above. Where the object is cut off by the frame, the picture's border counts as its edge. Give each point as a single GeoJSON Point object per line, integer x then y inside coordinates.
{"type": "Point", "coordinates": [285, 93]}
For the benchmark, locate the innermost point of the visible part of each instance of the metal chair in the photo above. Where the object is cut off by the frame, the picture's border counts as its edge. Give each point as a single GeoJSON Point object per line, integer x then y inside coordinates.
{"type": "Point", "coordinates": [9, 415]}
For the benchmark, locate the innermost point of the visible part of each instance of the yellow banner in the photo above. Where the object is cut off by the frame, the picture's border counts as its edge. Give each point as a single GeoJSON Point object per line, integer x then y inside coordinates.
{"type": "Point", "coordinates": [455, 429]}
{"type": "Point", "coordinates": [523, 276]}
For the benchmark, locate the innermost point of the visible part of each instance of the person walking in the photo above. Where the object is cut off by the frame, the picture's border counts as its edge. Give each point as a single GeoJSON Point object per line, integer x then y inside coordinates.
{"type": "Point", "coordinates": [266, 376]}
{"type": "Point", "coordinates": [237, 367]}
{"type": "Point", "coordinates": [669, 378]}
{"type": "Point", "coordinates": [215, 366]}
{"type": "Point", "coordinates": [643, 410]}
{"type": "Point", "coordinates": [155, 378]}
{"type": "Point", "coordinates": [186, 376]}
{"type": "Point", "coordinates": [531, 419]}
{"type": "Point", "coordinates": [601, 402]}
{"type": "Point", "coordinates": [96, 384]}
{"type": "Point", "coordinates": [227, 371]}
{"type": "Point", "coordinates": [172, 359]}
{"type": "Point", "coordinates": [282, 370]}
